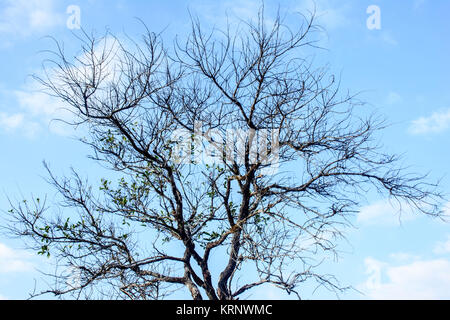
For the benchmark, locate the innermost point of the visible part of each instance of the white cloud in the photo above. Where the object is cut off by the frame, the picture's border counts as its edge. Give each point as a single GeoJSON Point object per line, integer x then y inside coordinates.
{"type": "Point", "coordinates": [443, 247]}
{"type": "Point", "coordinates": [37, 103]}
{"type": "Point", "coordinates": [36, 110]}
{"type": "Point", "coordinates": [18, 122]}
{"type": "Point", "coordinates": [436, 123]}
{"type": "Point", "coordinates": [9, 122]}
{"type": "Point", "coordinates": [385, 212]}
{"type": "Point", "coordinates": [424, 279]}
{"type": "Point", "coordinates": [25, 17]}
{"type": "Point", "coordinates": [330, 15]}
{"type": "Point", "coordinates": [14, 260]}
{"type": "Point", "coordinates": [40, 110]}
{"type": "Point", "coordinates": [446, 211]}
{"type": "Point", "coordinates": [41, 107]}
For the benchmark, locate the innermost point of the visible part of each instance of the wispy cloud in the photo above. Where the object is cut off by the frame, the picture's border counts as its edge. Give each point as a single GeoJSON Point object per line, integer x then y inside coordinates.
{"type": "Point", "coordinates": [423, 279]}
{"type": "Point", "coordinates": [330, 15]}
{"type": "Point", "coordinates": [12, 260]}
{"type": "Point", "coordinates": [25, 17]}
{"type": "Point", "coordinates": [34, 112]}
{"type": "Point", "coordinates": [41, 109]}
{"type": "Point", "coordinates": [442, 247]}
{"type": "Point", "coordinates": [11, 123]}
{"type": "Point", "coordinates": [435, 123]}
{"type": "Point", "coordinates": [385, 213]}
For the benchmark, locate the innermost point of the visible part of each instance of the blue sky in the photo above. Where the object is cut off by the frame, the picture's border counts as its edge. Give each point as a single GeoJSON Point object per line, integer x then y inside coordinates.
{"type": "Point", "coordinates": [402, 69]}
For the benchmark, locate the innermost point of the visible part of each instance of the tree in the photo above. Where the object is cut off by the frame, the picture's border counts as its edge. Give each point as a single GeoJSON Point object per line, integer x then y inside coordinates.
{"type": "Point", "coordinates": [239, 162]}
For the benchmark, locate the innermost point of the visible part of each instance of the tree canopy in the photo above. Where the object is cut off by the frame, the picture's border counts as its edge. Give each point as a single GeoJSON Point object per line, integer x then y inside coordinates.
{"type": "Point", "coordinates": [240, 161]}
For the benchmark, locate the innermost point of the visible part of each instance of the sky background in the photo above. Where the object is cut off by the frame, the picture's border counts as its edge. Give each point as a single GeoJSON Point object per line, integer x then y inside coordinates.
{"type": "Point", "coordinates": [401, 69]}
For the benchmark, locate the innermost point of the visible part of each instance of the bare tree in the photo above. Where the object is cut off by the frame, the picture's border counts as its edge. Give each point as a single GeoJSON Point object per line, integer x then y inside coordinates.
{"type": "Point", "coordinates": [298, 159]}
